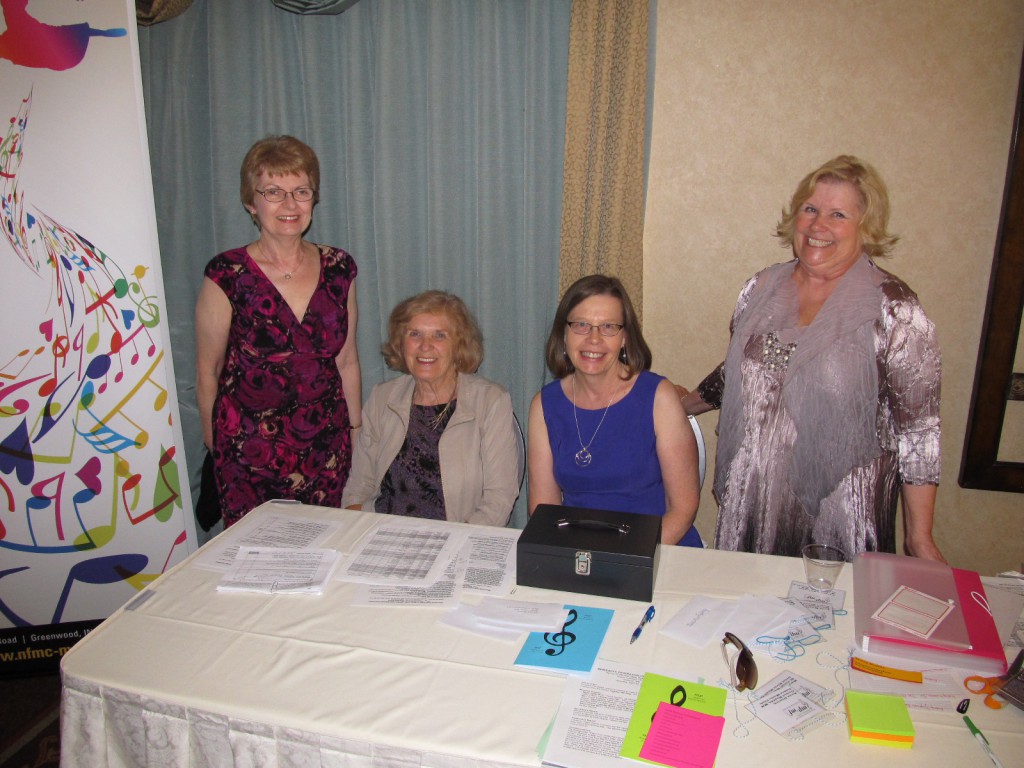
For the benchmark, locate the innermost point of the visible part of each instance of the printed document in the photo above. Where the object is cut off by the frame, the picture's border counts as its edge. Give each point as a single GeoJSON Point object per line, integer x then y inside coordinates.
{"type": "Point", "coordinates": [272, 570]}
{"type": "Point", "coordinates": [282, 531]}
{"type": "Point", "coordinates": [593, 716]}
{"type": "Point", "coordinates": [491, 561]}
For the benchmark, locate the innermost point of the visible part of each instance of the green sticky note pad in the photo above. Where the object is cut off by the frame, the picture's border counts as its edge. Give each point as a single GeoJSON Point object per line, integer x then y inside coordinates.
{"type": "Point", "coordinates": [878, 717]}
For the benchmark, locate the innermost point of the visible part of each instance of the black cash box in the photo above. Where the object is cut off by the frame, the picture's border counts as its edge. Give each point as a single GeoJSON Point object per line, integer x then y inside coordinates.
{"type": "Point", "coordinates": [592, 551]}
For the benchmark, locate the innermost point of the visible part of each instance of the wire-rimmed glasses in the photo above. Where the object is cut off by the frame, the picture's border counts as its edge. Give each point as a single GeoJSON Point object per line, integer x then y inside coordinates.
{"type": "Point", "coordinates": [583, 328]}
{"type": "Point", "coordinates": [277, 195]}
{"type": "Point", "coordinates": [744, 673]}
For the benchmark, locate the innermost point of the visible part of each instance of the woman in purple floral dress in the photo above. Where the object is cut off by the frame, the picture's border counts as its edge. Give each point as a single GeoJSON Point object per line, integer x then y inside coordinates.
{"type": "Point", "coordinates": [276, 360]}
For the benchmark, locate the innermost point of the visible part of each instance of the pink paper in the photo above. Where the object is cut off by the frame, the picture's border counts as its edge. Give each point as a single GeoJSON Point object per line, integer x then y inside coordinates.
{"type": "Point", "coordinates": [682, 738]}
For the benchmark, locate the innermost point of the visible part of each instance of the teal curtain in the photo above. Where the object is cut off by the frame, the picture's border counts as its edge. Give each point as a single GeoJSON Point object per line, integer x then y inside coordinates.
{"type": "Point", "coordinates": [439, 126]}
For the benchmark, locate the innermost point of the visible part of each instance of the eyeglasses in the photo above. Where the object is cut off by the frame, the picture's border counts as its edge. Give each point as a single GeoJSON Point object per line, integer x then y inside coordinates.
{"type": "Point", "coordinates": [275, 195]}
{"type": "Point", "coordinates": [584, 328]}
{"type": "Point", "coordinates": [744, 674]}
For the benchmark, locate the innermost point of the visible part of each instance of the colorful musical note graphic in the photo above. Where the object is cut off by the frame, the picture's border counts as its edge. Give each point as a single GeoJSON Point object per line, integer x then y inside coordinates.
{"type": "Point", "coordinates": [107, 569]}
{"type": "Point", "coordinates": [87, 453]}
{"type": "Point", "coordinates": [99, 570]}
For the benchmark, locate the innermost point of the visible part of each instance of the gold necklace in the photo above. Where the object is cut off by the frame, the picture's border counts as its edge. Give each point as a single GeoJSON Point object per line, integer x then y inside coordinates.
{"type": "Point", "coordinates": [267, 259]}
{"type": "Point", "coordinates": [436, 421]}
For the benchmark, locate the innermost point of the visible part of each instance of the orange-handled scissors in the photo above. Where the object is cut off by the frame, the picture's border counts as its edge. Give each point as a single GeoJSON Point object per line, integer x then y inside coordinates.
{"type": "Point", "coordinates": [988, 685]}
{"type": "Point", "coordinates": [991, 686]}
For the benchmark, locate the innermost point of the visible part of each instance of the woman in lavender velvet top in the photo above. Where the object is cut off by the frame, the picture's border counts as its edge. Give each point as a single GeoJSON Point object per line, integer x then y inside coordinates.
{"type": "Point", "coordinates": [829, 392]}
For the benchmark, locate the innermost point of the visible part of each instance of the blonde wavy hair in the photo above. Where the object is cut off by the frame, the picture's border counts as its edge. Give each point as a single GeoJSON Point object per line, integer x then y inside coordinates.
{"type": "Point", "coordinates": [467, 341]}
{"type": "Point", "coordinates": [876, 240]}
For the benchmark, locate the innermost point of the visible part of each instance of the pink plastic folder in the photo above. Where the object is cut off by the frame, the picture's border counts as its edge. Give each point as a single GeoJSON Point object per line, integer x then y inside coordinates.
{"type": "Point", "coordinates": [966, 638]}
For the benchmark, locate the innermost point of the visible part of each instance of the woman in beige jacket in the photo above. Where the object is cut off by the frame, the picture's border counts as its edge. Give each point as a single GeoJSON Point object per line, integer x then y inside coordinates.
{"type": "Point", "coordinates": [439, 441]}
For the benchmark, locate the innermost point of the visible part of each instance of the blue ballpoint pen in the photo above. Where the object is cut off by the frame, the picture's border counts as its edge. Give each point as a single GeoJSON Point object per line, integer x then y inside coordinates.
{"type": "Point", "coordinates": [983, 741]}
{"type": "Point", "coordinates": [640, 627]}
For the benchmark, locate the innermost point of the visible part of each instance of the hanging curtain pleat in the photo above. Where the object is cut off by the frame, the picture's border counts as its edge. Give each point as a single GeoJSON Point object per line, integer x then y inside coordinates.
{"type": "Point", "coordinates": [603, 195]}
{"type": "Point", "coordinates": [333, 7]}
{"type": "Point", "coordinates": [439, 127]}
{"type": "Point", "coordinates": [155, 11]}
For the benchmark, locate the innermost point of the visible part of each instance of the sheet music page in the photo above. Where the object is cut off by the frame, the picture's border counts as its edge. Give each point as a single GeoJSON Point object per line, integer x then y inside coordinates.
{"type": "Point", "coordinates": [486, 564]}
{"type": "Point", "coordinates": [404, 551]}
{"type": "Point", "coordinates": [442, 593]}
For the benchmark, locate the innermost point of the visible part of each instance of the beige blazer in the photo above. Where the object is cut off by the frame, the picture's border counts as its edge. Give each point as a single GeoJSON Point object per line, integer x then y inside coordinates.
{"type": "Point", "coordinates": [479, 450]}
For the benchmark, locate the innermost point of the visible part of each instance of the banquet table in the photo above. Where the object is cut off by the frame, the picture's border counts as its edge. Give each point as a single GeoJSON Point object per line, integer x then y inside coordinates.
{"type": "Point", "coordinates": [185, 675]}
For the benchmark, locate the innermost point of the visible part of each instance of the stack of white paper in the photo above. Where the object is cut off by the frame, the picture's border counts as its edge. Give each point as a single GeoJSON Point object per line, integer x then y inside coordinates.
{"type": "Point", "coordinates": [273, 570]}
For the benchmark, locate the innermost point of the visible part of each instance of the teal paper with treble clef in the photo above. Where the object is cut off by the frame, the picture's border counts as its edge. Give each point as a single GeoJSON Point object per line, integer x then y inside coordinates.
{"type": "Point", "coordinates": [572, 649]}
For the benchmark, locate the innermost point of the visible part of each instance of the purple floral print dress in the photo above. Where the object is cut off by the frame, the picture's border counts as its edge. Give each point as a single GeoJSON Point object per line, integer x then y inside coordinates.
{"type": "Point", "coordinates": [280, 420]}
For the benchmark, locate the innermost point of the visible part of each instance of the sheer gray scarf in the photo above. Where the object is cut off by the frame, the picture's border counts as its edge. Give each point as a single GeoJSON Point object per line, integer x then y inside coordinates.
{"type": "Point", "coordinates": [830, 388]}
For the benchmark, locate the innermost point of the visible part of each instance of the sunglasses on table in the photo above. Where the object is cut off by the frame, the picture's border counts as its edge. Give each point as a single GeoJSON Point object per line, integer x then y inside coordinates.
{"type": "Point", "coordinates": [744, 673]}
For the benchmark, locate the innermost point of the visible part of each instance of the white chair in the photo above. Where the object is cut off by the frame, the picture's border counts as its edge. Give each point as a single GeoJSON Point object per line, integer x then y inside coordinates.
{"type": "Point", "coordinates": [521, 451]}
{"type": "Point", "coordinates": [701, 458]}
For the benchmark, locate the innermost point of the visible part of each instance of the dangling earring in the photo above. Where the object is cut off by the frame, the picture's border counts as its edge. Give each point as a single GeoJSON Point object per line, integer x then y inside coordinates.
{"type": "Point", "coordinates": [622, 355]}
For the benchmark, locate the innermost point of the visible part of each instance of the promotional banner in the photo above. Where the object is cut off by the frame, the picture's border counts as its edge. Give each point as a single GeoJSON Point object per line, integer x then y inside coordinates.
{"type": "Point", "coordinates": [94, 499]}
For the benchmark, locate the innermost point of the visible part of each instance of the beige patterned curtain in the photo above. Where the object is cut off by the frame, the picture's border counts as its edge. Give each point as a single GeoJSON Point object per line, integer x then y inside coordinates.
{"type": "Point", "coordinates": [149, 12]}
{"type": "Point", "coordinates": [603, 193]}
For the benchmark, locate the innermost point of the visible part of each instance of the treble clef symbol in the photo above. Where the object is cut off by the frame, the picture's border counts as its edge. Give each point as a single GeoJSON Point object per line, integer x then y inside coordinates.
{"type": "Point", "coordinates": [558, 640]}
{"type": "Point", "coordinates": [677, 693]}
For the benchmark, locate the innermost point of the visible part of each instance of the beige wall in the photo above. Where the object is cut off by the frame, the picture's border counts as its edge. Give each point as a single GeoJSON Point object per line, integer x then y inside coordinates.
{"type": "Point", "coordinates": [750, 95]}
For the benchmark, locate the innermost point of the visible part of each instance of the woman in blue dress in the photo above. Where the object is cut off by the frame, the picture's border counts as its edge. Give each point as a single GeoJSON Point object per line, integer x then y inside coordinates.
{"type": "Point", "coordinates": [608, 433]}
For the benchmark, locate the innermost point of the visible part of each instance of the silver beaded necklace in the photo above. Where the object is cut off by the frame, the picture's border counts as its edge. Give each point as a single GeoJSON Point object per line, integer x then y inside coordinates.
{"type": "Point", "coordinates": [583, 455]}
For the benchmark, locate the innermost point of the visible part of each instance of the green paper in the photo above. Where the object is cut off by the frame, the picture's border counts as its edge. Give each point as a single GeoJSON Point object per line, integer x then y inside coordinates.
{"type": "Point", "coordinates": [880, 713]}
{"type": "Point", "coordinates": [654, 690]}
{"type": "Point", "coordinates": [542, 745]}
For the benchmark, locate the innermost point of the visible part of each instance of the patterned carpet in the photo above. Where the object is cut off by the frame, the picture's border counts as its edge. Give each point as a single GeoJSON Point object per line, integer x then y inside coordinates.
{"type": "Point", "coordinates": [30, 722]}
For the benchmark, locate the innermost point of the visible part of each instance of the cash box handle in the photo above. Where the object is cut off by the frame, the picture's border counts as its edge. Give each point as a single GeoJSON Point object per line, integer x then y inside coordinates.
{"type": "Point", "coordinates": [594, 525]}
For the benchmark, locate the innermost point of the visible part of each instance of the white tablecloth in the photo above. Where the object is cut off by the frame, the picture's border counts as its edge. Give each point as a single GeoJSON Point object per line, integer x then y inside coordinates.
{"type": "Point", "coordinates": [194, 677]}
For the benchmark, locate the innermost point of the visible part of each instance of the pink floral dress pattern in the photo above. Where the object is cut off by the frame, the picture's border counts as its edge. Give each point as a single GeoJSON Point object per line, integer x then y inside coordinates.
{"type": "Point", "coordinates": [280, 420]}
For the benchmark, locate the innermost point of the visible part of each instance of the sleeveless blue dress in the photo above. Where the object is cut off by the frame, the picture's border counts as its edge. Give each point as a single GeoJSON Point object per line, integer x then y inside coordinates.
{"type": "Point", "coordinates": [625, 474]}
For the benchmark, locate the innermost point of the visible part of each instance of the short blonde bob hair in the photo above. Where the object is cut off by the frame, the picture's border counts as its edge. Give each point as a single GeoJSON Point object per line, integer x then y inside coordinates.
{"type": "Point", "coordinates": [876, 240]}
{"type": "Point", "coordinates": [278, 156]}
{"type": "Point", "coordinates": [467, 341]}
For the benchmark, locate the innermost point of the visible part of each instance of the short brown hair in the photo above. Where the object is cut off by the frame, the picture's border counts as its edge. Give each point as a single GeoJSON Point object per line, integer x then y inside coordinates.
{"type": "Point", "coordinates": [636, 352]}
{"type": "Point", "coordinates": [467, 341]}
{"type": "Point", "coordinates": [874, 203]}
{"type": "Point", "coordinates": [278, 156]}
